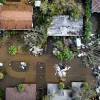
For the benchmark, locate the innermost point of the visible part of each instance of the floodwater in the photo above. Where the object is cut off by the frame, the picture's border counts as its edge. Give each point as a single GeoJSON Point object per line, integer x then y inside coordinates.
{"type": "Point", "coordinates": [78, 71]}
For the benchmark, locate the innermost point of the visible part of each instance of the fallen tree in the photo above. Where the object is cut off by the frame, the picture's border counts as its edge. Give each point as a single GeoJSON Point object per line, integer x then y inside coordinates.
{"type": "Point", "coordinates": [93, 56]}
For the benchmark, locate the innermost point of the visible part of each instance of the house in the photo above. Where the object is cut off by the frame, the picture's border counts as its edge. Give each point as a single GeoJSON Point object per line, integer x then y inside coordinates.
{"type": "Point", "coordinates": [28, 94]}
{"type": "Point", "coordinates": [14, 2]}
{"type": "Point", "coordinates": [63, 26]}
{"type": "Point", "coordinates": [56, 94]}
{"type": "Point", "coordinates": [95, 6]}
{"type": "Point", "coordinates": [16, 17]}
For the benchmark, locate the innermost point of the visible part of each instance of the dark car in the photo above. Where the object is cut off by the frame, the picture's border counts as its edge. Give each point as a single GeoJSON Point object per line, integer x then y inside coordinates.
{"type": "Point", "coordinates": [39, 93]}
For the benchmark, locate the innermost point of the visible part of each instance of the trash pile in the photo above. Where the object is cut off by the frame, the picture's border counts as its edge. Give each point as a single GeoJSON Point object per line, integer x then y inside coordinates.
{"type": "Point", "coordinates": [61, 70]}
{"type": "Point", "coordinates": [36, 51]}
{"type": "Point", "coordinates": [23, 65]}
{"type": "Point", "coordinates": [96, 72]}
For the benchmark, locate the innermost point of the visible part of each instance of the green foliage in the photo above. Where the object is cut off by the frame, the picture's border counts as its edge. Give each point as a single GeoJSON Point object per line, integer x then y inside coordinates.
{"type": "Point", "coordinates": [20, 87]}
{"type": "Point", "coordinates": [1, 99]}
{"type": "Point", "coordinates": [12, 50]}
{"type": "Point", "coordinates": [55, 37]}
{"type": "Point", "coordinates": [1, 40]}
{"type": "Point", "coordinates": [1, 1]}
{"type": "Point", "coordinates": [24, 48]}
{"type": "Point", "coordinates": [69, 87]}
{"type": "Point", "coordinates": [83, 94]}
{"type": "Point", "coordinates": [1, 91]}
{"type": "Point", "coordinates": [78, 1]}
{"type": "Point", "coordinates": [44, 6]}
{"type": "Point", "coordinates": [13, 32]}
{"type": "Point", "coordinates": [55, 8]}
{"type": "Point", "coordinates": [9, 33]}
{"type": "Point", "coordinates": [88, 29]}
{"type": "Point", "coordinates": [85, 85]}
{"type": "Point", "coordinates": [59, 45]}
{"type": "Point", "coordinates": [46, 97]}
{"type": "Point", "coordinates": [88, 9]}
{"type": "Point", "coordinates": [61, 85]}
{"type": "Point", "coordinates": [1, 75]}
{"type": "Point", "coordinates": [65, 54]}
{"type": "Point", "coordinates": [75, 13]}
{"type": "Point", "coordinates": [48, 10]}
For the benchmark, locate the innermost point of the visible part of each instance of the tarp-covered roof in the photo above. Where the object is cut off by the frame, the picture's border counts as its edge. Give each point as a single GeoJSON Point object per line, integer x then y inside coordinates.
{"type": "Point", "coordinates": [63, 26]}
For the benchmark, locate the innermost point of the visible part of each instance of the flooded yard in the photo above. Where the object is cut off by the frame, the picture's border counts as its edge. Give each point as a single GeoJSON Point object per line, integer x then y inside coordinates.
{"type": "Point", "coordinates": [15, 74]}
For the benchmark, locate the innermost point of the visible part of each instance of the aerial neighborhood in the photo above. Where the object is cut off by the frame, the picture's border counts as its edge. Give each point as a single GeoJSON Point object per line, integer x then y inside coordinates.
{"type": "Point", "coordinates": [49, 49]}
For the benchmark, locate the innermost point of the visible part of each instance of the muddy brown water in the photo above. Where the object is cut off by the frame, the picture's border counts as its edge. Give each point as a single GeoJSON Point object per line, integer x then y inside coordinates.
{"type": "Point", "coordinates": [78, 71]}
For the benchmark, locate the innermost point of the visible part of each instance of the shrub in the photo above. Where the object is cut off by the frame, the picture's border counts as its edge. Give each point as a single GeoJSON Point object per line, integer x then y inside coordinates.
{"type": "Point", "coordinates": [24, 48]}
{"type": "Point", "coordinates": [13, 32]}
{"type": "Point", "coordinates": [88, 29]}
{"type": "Point", "coordinates": [1, 91]}
{"type": "Point", "coordinates": [69, 87]}
{"type": "Point", "coordinates": [1, 40]}
{"type": "Point", "coordinates": [59, 45]}
{"type": "Point", "coordinates": [1, 1]}
{"type": "Point", "coordinates": [12, 50]}
{"type": "Point", "coordinates": [75, 13]}
{"type": "Point", "coordinates": [1, 99]}
{"type": "Point", "coordinates": [85, 85]}
{"type": "Point", "coordinates": [65, 54]}
{"type": "Point", "coordinates": [88, 9]}
{"type": "Point", "coordinates": [20, 87]}
{"type": "Point", "coordinates": [61, 85]}
{"type": "Point", "coordinates": [7, 33]}
{"type": "Point", "coordinates": [1, 75]}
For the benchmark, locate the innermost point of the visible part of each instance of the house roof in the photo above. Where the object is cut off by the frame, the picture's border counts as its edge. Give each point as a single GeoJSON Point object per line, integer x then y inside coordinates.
{"type": "Point", "coordinates": [52, 90]}
{"type": "Point", "coordinates": [28, 94]}
{"type": "Point", "coordinates": [15, 17]}
{"type": "Point", "coordinates": [95, 5]}
{"type": "Point", "coordinates": [62, 26]}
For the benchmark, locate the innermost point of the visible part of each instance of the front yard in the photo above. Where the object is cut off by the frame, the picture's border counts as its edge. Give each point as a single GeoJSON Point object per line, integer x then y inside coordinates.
{"type": "Point", "coordinates": [78, 71]}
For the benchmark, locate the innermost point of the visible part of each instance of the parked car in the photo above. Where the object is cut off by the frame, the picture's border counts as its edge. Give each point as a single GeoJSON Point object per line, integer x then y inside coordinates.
{"type": "Point", "coordinates": [39, 93]}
